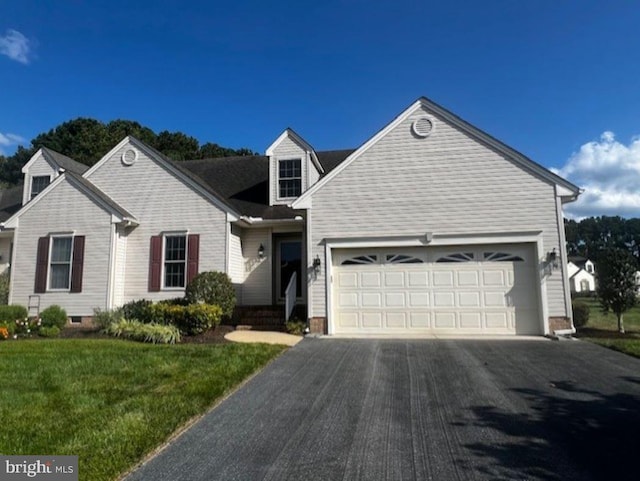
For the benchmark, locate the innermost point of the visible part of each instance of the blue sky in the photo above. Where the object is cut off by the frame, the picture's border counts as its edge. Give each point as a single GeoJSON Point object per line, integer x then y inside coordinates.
{"type": "Point", "coordinates": [557, 81]}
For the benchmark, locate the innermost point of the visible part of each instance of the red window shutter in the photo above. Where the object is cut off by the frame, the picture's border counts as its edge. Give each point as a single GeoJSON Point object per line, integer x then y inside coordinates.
{"type": "Point", "coordinates": [77, 265]}
{"type": "Point", "coordinates": [193, 256]}
{"type": "Point", "coordinates": [155, 263]}
{"type": "Point", "coordinates": [42, 264]}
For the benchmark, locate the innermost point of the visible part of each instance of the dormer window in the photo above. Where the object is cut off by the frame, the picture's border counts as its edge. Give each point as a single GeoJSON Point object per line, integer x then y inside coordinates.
{"type": "Point", "coordinates": [38, 184]}
{"type": "Point", "coordinates": [289, 178]}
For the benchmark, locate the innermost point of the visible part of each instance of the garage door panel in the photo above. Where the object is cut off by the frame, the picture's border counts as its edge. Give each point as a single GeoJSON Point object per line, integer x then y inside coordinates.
{"type": "Point", "coordinates": [444, 320]}
{"type": "Point", "coordinates": [443, 279]}
{"type": "Point", "coordinates": [371, 299]}
{"type": "Point", "coordinates": [495, 299]}
{"type": "Point", "coordinates": [348, 300]}
{"type": "Point", "coordinates": [418, 299]}
{"type": "Point", "coordinates": [443, 299]}
{"type": "Point", "coordinates": [468, 279]}
{"type": "Point", "coordinates": [396, 320]}
{"type": "Point", "coordinates": [347, 279]}
{"type": "Point", "coordinates": [371, 320]}
{"type": "Point", "coordinates": [497, 320]}
{"type": "Point", "coordinates": [370, 279]}
{"type": "Point", "coordinates": [420, 320]}
{"type": "Point", "coordinates": [394, 279]}
{"type": "Point", "coordinates": [418, 279]}
{"type": "Point", "coordinates": [485, 289]}
{"type": "Point", "coordinates": [469, 299]}
{"type": "Point", "coordinates": [395, 299]}
{"type": "Point", "coordinates": [348, 320]}
{"type": "Point", "coordinates": [493, 278]}
{"type": "Point", "coordinates": [471, 320]}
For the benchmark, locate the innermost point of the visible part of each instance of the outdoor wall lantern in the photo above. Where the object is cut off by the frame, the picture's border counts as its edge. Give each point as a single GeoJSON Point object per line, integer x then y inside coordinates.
{"type": "Point", "coordinates": [261, 251]}
{"type": "Point", "coordinates": [316, 263]}
{"type": "Point", "coordinates": [553, 258]}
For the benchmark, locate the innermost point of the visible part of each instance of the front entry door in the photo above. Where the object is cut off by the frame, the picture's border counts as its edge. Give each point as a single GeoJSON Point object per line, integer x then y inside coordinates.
{"type": "Point", "coordinates": [288, 260]}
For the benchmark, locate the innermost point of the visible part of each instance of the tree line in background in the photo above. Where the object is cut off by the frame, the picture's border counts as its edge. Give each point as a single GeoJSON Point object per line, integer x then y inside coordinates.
{"type": "Point", "coordinates": [87, 140]}
{"type": "Point", "coordinates": [593, 237]}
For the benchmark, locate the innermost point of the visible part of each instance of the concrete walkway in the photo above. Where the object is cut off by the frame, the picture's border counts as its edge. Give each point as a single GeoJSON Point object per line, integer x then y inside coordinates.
{"type": "Point", "coordinates": [267, 337]}
{"type": "Point", "coordinates": [388, 410]}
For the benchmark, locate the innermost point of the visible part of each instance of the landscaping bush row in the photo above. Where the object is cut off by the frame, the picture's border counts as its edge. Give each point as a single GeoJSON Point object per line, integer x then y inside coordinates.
{"type": "Point", "coordinates": [138, 331]}
{"type": "Point", "coordinates": [190, 319]}
{"type": "Point", "coordinates": [14, 322]}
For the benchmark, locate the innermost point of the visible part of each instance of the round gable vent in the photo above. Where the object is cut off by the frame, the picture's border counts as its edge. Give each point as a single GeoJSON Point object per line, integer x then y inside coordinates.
{"type": "Point", "coordinates": [422, 127]}
{"type": "Point", "coordinates": [129, 156]}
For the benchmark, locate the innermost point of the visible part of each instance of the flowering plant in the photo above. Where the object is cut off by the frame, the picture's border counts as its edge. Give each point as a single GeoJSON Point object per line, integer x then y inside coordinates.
{"type": "Point", "coordinates": [4, 333]}
{"type": "Point", "coordinates": [27, 327]}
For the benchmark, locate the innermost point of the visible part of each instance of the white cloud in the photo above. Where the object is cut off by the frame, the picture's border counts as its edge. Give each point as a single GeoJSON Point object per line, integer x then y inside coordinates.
{"type": "Point", "coordinates": [16, 46]}
{"type": "Point", "coordinates": [9, 140]}
{"type": "Point", "coordinates": [609, 172]}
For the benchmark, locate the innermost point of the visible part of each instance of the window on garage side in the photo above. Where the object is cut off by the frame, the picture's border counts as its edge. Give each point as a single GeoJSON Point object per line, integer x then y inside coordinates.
{"type": "Point", "coordinates": [175, 260]}
{"type": "Point", "coordinates": [403, 259]}
{"type": "Point", "coordinates": [290, 178]}
{"type": "Point", "coordinates": [502, 257]}
{"type": "Point", "coordinates": [457, 257]}
{"type": "Point", "coordinates": [60, 264]}
{"type": "Point", "coordinates": [358, 260]}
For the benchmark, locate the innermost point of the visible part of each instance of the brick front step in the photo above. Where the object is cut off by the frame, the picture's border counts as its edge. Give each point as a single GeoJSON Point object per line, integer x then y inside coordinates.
{"type": "Point", "coordinates": [264, 317]}
{"type": "Point", "coordinates": [266, 327]}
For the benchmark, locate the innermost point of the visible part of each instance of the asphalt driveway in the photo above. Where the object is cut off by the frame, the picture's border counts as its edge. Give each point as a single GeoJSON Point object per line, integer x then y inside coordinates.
{"type": "Point", "coordinates": [418, 410]}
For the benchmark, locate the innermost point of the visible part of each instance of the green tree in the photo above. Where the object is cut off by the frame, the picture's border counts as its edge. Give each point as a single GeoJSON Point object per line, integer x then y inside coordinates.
{"type": "Point", "coordinates": [616, 282]}
{"type": "Point", "coordinates": [87, 140]}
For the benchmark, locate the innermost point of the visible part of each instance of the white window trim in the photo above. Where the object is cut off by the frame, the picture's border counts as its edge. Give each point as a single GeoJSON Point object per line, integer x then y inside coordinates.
{"type": "Point", "coordinates": [49, 270]}
{"type": "Point", "coordinates": [279, 197]}
{"type": "Point", "coordinates": [31, 196]}
{"type": "Point", "coordinates": [185, 234]}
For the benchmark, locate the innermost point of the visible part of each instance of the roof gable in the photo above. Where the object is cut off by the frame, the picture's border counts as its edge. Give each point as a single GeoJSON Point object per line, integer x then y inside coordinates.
{"type": "Point", "coordinates": [568, 189]}
{"type": "Point", "coordinates": [119, 213]}
{"type": "Point", "coordinates": [56, 160]}
{"type": "Point", "coordinates": [290, 134]}
{"type": "Point", "coordinates": [184, 175]}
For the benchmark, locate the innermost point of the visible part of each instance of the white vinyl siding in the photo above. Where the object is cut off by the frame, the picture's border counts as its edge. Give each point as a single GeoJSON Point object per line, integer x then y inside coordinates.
{"type": "Point", "coordinates": [447, 183]}
{"type": "Point", "coordinates": [65, 209]}
{"type": "Point", "coordinates": [161, 203]}
{"type": "Point", "coordinates": [256, 289]}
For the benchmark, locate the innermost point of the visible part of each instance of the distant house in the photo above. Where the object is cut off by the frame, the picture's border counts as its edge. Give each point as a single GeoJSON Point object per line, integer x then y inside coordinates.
{"type": "Point", "coordinates": [581, 274]}
{"type": "Point", "coordinates": [430, 226]}
{"type": "Point", "coordinates": [638, 281]}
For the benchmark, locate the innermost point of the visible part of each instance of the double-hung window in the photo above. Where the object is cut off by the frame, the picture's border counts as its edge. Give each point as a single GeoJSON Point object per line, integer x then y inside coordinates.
{"type": "Point", "coordinates": [38, 184]}
{"type": "Point", "coordinates": [289, 178]}
{"type": "Point", "coordinates": [60, 262]}
{"type": "Point", "coordinates": [175, 260]}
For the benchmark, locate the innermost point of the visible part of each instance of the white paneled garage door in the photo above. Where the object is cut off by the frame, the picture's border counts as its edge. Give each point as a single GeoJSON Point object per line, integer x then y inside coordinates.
{"type": "Point", "coordinates": [489, 289]}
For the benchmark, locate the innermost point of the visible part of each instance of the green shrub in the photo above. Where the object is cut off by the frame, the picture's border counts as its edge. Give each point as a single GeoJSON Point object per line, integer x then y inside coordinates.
{"type": "Point", "coordinates": [580, 313]}
{"type": "Point", "coordinates": [192, 319]}
{"type": "Point", "coordinates": [137, 310]}
{"type": "Point", "coordinates": [295, 327]}
{"type": "Point", "coordinates": [12, 313]}
{"type": "Point", "coordinates": [212, 288]}
{"type": "Point", "coordinates": [4, 287]}
{"type": "Point", "coordinates": [54, 315]}
{"type": "Point", "coordinates": [103, 319]}
{"type": "Point", "coordinates": [176, 301]}
{"type": "Point", "coordinates": [50, 331]}
{"type": "Point", "coordinates": [139, 331]}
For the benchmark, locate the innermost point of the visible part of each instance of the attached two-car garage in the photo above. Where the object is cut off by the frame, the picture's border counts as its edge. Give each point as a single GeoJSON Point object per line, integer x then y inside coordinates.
{"type": "Point", "coordinates": [490, 289]}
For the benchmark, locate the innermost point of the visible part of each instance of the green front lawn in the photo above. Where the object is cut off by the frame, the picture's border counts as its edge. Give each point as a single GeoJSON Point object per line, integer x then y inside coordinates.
{"type": "Point", "coordinates": [108, 401]}
{"type": "Point", "coordinates": [603, 329]}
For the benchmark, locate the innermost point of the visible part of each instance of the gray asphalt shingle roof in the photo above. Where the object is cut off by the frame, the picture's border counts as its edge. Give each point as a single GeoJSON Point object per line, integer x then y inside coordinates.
{"type": "Point", "coordinates": [67, 163]}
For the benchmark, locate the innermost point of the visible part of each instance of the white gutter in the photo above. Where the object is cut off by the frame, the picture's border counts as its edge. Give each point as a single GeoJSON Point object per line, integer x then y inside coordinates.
{"type": "Point", "coordinates": [259, 221]}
